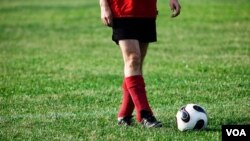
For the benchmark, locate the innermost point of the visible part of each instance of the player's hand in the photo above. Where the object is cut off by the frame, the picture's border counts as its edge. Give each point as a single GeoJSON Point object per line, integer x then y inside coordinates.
{"type": "Point", "coordinates": [175, 7]}
{"type": "Point", "coordinates": [106, 16]}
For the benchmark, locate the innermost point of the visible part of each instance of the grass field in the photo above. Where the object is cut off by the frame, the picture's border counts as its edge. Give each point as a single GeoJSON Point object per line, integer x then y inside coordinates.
{"type": "Point", "coordinates": [60, 73]}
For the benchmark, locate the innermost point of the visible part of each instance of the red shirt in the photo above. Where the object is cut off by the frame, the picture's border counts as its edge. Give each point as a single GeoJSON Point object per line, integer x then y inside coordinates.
{"type": "Point", "coordinates": [133, 8]}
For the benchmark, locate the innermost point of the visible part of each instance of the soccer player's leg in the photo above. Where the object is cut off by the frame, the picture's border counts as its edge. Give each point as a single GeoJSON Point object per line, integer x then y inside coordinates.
{"type": "Point", "coordinates": [126, 108]}
{"type": "Point", "coordinates": [133, 58]}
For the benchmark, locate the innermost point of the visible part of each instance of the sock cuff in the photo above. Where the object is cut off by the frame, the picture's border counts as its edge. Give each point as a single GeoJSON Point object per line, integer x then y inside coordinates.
{"type": "Point", "coordinates": [135, 81]}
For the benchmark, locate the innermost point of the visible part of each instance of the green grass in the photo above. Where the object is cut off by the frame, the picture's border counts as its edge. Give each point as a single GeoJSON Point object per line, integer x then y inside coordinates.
{"type": "Point", "coordinates": [60, 73]}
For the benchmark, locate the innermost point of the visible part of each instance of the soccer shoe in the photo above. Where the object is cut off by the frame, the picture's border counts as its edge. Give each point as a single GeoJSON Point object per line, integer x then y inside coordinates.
{"type": "Point", "coordinates": [127, 121]}
{"type": "Point", "coordinates": [149, 121]}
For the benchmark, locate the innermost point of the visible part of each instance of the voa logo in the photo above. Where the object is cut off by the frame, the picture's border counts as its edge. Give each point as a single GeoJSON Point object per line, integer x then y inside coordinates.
{"type": "Point", "coordinates": [236, 132]}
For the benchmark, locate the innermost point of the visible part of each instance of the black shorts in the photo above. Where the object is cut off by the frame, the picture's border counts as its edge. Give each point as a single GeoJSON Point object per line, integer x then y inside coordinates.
{"type": "Point", "coordinates": [141, 29]}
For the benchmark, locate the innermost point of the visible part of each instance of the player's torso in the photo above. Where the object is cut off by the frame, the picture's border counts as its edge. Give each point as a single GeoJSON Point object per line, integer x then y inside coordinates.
{"type": "Point", "coordinates": [133, 8]}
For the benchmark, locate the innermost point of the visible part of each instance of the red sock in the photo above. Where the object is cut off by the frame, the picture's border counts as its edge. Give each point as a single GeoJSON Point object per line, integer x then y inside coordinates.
{"type": "Point", "coordinates": [136, 87]}
{"type": "Point", "coordinates": [127, 106]}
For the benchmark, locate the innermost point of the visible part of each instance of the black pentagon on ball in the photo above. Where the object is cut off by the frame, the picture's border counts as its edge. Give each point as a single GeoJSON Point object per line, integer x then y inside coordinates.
{"type": "Point", "coordinates": [199, 124]}
{"type": "Point", "coordinates": [185, 115]}
{"type": "Point", "coordinates": [199, 109]}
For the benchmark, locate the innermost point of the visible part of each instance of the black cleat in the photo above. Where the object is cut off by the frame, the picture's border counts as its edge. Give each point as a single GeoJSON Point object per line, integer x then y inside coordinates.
{"type": "Point", "coordinates": [127, 121]}
{"type": "Point", "coordinates": [149, 121]}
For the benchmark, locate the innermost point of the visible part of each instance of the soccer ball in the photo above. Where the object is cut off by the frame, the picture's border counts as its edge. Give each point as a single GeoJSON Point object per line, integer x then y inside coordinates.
{"type": "Point", "coordinates": [191, 117]}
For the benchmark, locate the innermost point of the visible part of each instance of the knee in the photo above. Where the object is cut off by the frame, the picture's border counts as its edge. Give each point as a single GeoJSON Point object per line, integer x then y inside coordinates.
{"type": "Point", "coordinates": [134, 62]}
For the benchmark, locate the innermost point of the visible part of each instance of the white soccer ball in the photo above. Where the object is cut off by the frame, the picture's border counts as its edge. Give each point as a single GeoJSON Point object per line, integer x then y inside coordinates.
{"type": "Point", "coordinates": [191, 117]}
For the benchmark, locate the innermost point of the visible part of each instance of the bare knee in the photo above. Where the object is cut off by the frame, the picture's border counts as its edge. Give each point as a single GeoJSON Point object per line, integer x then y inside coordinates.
{"type": "Point", "coordinates": [133, 62]}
